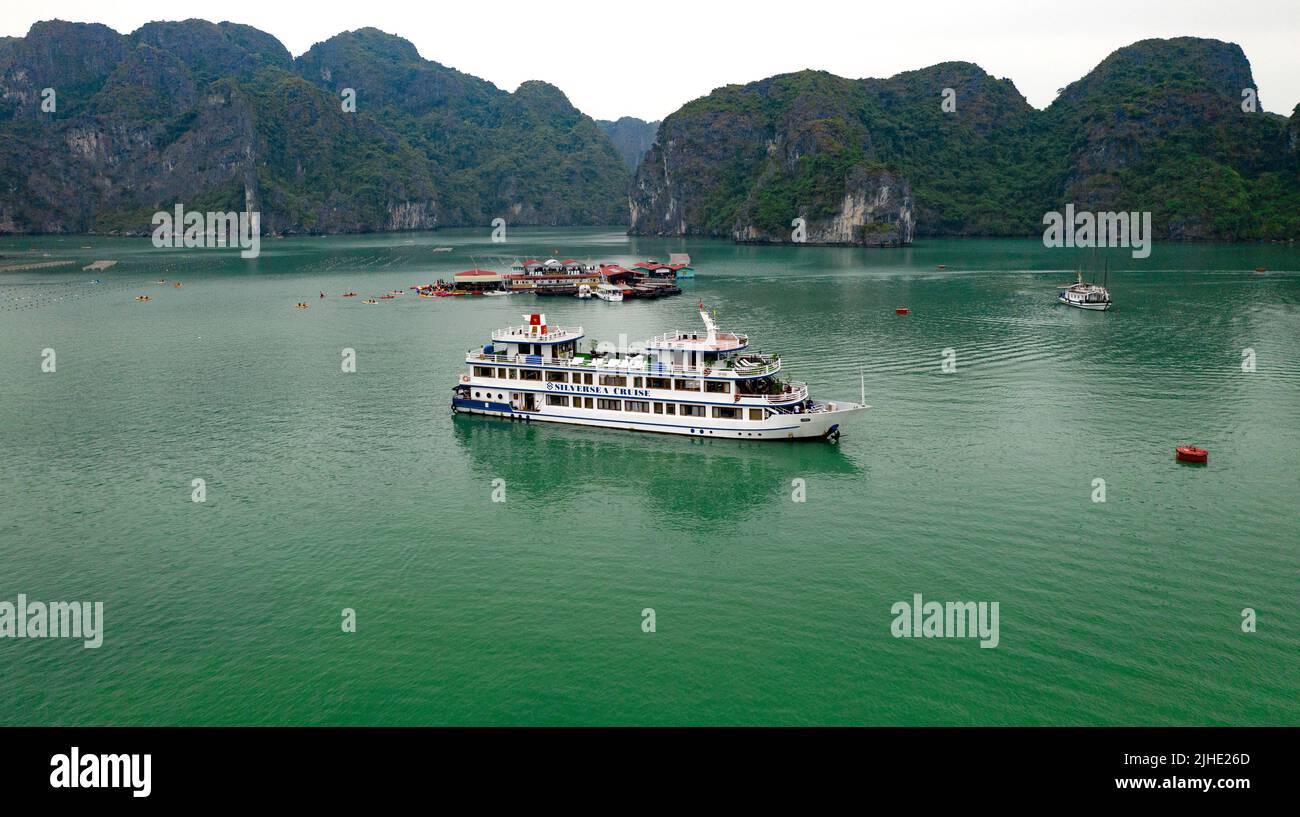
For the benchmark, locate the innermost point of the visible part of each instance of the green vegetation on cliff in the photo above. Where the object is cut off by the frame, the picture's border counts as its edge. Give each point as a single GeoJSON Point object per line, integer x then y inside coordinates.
{"type": "Point", "coordinates": [1158, 126]}
{"type": "Point", "coordinates": [221, 114]}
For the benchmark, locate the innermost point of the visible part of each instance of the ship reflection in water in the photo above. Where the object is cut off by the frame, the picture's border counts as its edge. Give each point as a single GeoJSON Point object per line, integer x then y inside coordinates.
{"type": "Point", "coordinates": [696, 482]}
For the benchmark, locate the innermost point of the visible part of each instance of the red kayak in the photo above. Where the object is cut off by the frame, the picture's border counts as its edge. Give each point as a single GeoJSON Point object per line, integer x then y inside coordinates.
{"type": "Point", "coordinates": [1190, 453]}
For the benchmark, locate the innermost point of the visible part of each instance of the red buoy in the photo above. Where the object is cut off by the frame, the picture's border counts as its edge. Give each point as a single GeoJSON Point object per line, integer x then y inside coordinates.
{"type": "Point", "coordinates": [1260, 269]}
{"type": "Point", "coordinates": [943, 266]}
{"type": "Point", "coordinates": [1190, 453]}
{"type": "Point", "coordinates": [902, 310]}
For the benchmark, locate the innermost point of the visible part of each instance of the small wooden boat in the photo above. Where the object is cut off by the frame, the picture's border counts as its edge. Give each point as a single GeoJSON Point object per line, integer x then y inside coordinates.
{"type": "Point", "coordinates": [1083, 295]}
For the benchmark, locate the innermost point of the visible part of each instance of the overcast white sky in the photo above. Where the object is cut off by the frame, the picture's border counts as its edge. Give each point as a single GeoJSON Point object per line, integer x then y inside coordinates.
{"type": "Point", "coordinates": [616, 58]}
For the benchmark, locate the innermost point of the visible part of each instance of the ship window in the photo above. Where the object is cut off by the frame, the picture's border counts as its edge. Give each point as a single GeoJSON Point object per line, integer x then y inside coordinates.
{"type": "Point", "coordinates": [657, 383]}
{"type": "Point", "coordinates": [478, 394]}
{"type": "Point", "coordinates": [659, 408]}
{"type": "Point", "coordinates": [556, 400]}
{"type": "Point", "coordinates": [557, 377]}
{"type": "Point", "coordinates": [613, 380]}
{"type": "Point", "coordinates": [608, 405]}
{"type": "Point", "coordinates": [687, 385]}
{"type": "Point", "coordinates": [689, 410]}
{"type": "Point", "coordinates": [511, 374]}
{"type": "Point", "coordinates": [636, 405]}
{"type": "Point", "coordinates": [717, 386]}
{"type": "Point", "coordinates": [755, 414]}
{"type": "Point", "coordinates": [726, 413]}
{"type": "Point", "coordinates": [670, 408]}
{"type": "Point", "coordinates": [587, 402]}
{"type": "Point", "coordinates": [484, 371]}
{"type": "Point", "coordinates": [530, 374]}
{"type": "Point", "coordinates": [587, 378]}
{"type": "Point", "coordinates": [636, 382]}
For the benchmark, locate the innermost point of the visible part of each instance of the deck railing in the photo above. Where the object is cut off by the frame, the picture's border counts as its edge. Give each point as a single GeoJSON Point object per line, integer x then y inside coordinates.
{"type": "Point", "coordinates": [679, 335]}
{"type": "Point", "coordinates": [626, 366]}
{"type": "Point", "coordinates": [797, 393]}
{"type": "Point", "coordinates": [523, 334]}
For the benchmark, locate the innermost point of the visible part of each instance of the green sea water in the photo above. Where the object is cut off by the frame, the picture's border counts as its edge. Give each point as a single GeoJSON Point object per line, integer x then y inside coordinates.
{"type": "Point", "coordinates": [328, 490]}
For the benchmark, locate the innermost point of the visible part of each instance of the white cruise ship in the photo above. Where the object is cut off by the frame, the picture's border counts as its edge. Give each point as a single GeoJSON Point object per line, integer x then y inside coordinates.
{"type": "Point", "coordinates": [702, 383]}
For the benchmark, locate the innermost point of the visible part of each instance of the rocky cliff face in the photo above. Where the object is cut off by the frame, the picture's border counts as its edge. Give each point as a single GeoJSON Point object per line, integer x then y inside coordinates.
{"type": "Point", "coordinates": [632, 137]}
{"type": "Point", "coordinates": [1292, 136]}
{"type": "Point", "coordinates": [529, 157]}
{"type": "Point", "coordinates": [875, 211]}
{"type": "Point", "coordinates": [220, 116]}
{"type": "Point", "coordinates": [746, 161]}
{"type": "Point", "coordinates": [1158, 127]}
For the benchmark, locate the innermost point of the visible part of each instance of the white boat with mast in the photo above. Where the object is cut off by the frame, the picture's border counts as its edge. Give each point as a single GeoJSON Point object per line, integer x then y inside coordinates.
{"type": "Point", "coordinates": [701, 383]}
{"type": "Point", "coordinates": [1084, 295]}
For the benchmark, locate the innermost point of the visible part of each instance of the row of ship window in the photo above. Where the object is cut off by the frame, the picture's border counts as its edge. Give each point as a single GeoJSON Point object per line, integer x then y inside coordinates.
{"type": "Point", "coordinates": [644, 406]}
{"type": "Point", "coordinates": [593, 379]}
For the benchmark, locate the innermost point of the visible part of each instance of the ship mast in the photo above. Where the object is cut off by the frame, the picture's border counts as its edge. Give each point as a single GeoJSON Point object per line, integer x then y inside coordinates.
{"type": "Point", "coordinates": [709, 325]}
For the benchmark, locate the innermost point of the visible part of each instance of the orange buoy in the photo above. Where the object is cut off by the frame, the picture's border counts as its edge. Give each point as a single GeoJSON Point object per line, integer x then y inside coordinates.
{"type": "Point", "coordinates": [943, 266]}
{"type": "Point", "coordinates": [1190, 453]}
{"type": "Point", "coordinates": [902, 310]}
{"type": "Point", "coordinates": [1260, 269]}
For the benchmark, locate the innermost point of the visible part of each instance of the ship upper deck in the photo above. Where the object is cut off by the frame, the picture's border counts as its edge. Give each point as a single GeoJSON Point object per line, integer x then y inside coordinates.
{"type": "Point", "coordinates": [711, 341]}
{"type": "Point", "coordinates": [533, 334]}
{"type": "Point", "coordinates": [715, 342]}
